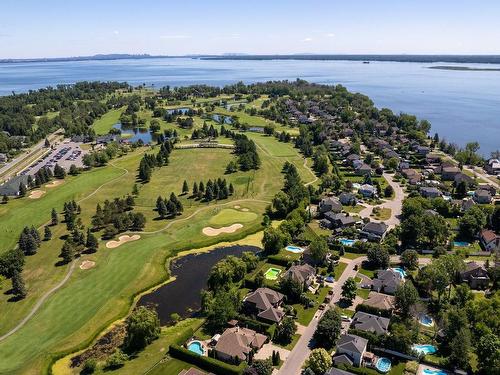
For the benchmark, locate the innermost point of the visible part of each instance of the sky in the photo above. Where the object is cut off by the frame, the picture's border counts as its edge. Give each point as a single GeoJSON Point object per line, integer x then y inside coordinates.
{"type": "Point", "coordinates": [60, 28]}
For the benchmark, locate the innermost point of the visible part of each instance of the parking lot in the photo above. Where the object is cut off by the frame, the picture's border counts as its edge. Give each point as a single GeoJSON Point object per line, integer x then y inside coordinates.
{"type": "Point", "coordinates": [65, 154]}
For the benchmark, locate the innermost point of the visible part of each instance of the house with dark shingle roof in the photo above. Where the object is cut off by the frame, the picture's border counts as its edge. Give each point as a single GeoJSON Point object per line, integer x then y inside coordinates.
{"type": "Point", "coordinates": [339, 220]}
{"type": "Point", "coordinates": [482, 196]}
{"type": "Point", "coordinates": [380, 301]}
{"type": "Point", "coordinates": [238, 343]}
{"type": "Point", "coordinates": [350, 350]}
{"type": "Point", "coordinates": [330, 204]}
{"type": "Point", "coordinates": [370, 323]}
{"type": "Point", "coordinates": [374, 231]}
{"type": "Point", "coordinates": [265, 302]}
{"type": "Point", "coordinates": [303, 273]}
{"type": "Point", "coordinates": [475, 275]}
{"type": "Point", "coordinates": [430, 192]}
{"type": "Point", "coordinates": [449, 173]}
{"type": "Point", "coordinates": [387, 281]}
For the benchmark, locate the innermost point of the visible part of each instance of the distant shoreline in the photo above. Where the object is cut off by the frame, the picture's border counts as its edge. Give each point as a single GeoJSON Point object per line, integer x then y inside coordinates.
{"type": "Point", "coordinates": [462, 59]}
{"type": "Point", "coordinates": [464, 68]}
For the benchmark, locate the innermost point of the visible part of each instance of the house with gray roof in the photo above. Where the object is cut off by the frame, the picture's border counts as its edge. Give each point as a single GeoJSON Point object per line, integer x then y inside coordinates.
{"type": "Point", "coordinates": [370, 323]}
{"type": "Point", "coordinates": [350, 350]}
{"type": "Point", "coordinates": [330, 204]}
{"type": "Point", "coordinates": [430, 192]}
{"type": "Point", "coordinates": [339, 220]}
{"type": "Point", "coordinates": [380, 301]}
{"type": "Point", "coordinates": [363, 170]}
{"type": "Point", "coordinates": [387, 281]}
{"type": "Point", "coordinates": [367, 190]}
{"type": "Point", "coordinates": [265, 303]}
{"type": "Point", "coordinates": [238, 343]}
{"type": "Point", "coordinates": [348, 199]}
{"type": "Point", "coordinates": [482, 196]}
{"type": "Point", "coordinates": [11, 187]}
{"type": "Point", "coordinates": [303, 273]}
{"type": "Point", "coordinates": [374, 231]}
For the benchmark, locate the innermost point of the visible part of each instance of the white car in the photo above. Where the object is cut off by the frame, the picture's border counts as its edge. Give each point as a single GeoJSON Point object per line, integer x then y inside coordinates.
{"type": "Point", "coordinates": [345, 318]}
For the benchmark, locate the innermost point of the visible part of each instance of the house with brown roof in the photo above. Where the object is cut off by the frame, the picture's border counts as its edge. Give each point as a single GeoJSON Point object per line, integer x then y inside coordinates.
{"type": "Point", "coordinates": [475, 275]}
{"type": "Point", "coordinates": [303, 273]}
{"type": "Point", "coordinates": [238, 343]}
{"type": "Point", "coordinates": [265, 303]}
{"type": "Point", "coordinates": [380, 301]}
{"type": "Point", "coordinates": [490, 240]}
{"type": "Point", "coordinates": [449, 173]}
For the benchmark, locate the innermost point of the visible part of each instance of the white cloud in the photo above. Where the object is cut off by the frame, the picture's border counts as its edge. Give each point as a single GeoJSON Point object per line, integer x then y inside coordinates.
{"type": "Point", "coordinates": [116, 32]}
{"type": "Point", "coordinates": [175, 37]}
{"type": "Point", "coordinates": [228, 36]}
{"type": "Point", "coordinates": [330, 35]}
{"type": "Point", "coordinates": [307, 40]}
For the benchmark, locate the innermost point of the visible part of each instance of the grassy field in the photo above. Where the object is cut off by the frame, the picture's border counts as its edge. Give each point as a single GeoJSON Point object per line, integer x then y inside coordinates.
{"type": "Point", "coordinates": [71, 317]}
{"type": "Point", "coordinates": [228, 216]}
{"type": "Point", "coordinates": [106, 122]}
{"type": "Point", "coordinates": [381, 213]}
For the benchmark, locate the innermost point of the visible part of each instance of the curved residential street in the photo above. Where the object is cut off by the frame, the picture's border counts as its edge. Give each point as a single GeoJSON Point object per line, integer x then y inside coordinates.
{"type": "Point", "coordinates": [395, 205]}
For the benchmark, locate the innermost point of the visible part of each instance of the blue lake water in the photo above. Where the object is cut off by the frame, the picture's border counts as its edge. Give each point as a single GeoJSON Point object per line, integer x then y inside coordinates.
{"type": "Point", "coordinates": [461, 105]}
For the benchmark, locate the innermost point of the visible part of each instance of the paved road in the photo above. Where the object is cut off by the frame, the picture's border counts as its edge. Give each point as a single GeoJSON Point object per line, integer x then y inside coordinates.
{"type": "Point", "coordinates": [301, 351]}
{"type": "Point", "coordinates": [480, 172]}
{"type": "Point", "coordinates": [395, 205]}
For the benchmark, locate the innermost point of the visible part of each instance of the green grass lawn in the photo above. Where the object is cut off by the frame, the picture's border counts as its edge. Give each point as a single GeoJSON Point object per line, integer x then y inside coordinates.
{"type": "Point", "coordinates": [305, 315]}
{"type": "Point", "coordinates": [92, 299]}
{"type": "Point", "coordinates": [292, 343]}
{"type": "Point", "coordinates": [349, 255]}
{"type": "Point", "coordinates": [228, 216]}
{"type": "Point", "coordinates": [382, 213]}
{"type": "Point", "coordinates": [339, 269]}
{"type": "Point", "coordinates": [367, 272]}
{"type": "Point", "coordinates": [104, 124]}
{"type": "Point", "coordinates": [353, 209]}
{"type": "Point", "coordinates": [363, 293]}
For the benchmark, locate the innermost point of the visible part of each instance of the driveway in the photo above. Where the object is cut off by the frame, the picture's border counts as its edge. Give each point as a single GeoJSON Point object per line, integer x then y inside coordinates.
{"type": "Point", "coordinates": [267, 351]}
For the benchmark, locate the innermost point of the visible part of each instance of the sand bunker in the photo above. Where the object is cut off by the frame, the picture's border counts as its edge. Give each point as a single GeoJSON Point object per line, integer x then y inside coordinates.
{"type": "Point", "coordinates": [87, 264]}
{"type": "Point", "coordinates": [209, 231]}
{"type": "Point", "coordinates": [35, 194]}
{"type": "Point", "coordinates": [236, 206]}
{"type": "Point", "coordinates": [245, 209]}
{"type": "Point", "coordinates": [54, 183]}
{"type": "Point", "coordinates": [122, 240]}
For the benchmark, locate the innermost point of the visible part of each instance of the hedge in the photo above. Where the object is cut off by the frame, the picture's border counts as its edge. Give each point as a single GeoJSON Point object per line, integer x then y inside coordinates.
{"type": "Point", "coordinates": [279, 260]}
{"type": "Point", "coordinates": [373, 310]}
{"type": "Point", "coordinates": [206, 363]}
{"type": "Point", "coordinates": [256, 325]}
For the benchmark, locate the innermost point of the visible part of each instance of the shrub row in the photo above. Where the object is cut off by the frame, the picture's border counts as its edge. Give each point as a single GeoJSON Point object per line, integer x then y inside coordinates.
{"type": "Point", "coordinates": [206, 363]}
{"type": "Point", "coordinates": [279, 260]}
{"type": "Point", "coordinates": [373, 310]}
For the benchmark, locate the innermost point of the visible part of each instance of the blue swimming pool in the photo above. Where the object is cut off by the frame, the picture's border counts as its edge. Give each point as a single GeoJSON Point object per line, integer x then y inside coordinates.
{"type": "Point", "coordinates": [426, 320]}
{"type": "Point", "coordinates": [434, 372]}
{"type": "Point", "coordinates": [461, 244]}
{"type": "Point", "coordinates": [424, 349]}
{"type": "Point", "coordinates": [294, 249]}
{"type": "Point", "coordinates": [401, 271]}
{"type": "Point", "coordinates": [196, 347]}
{"type": "Point", "coordinates": [383, 364]}
{"type": "Point", "coordinates": [347, 242]}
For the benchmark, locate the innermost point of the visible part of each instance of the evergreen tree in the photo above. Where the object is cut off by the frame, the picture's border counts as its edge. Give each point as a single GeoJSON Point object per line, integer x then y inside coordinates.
{"type": "Point", "coordinates": [185, 187]}
{"type": "Point", "coordinates": [231, 189]}
{"type": "Point", "coordinates": [59, 172]}
{"type": "Point", "coordinates": [91, 243]}
{"type": "Point", "coordinates": [47, 233]}
{"type": "Point", "coordinates": [68, 251]}
{"type": "Point", "coordinates": [195, 189]}
{"type": "Point", "coordinates": [135, 190]}
{"type": "Point", "coordinates": [22, 190]}
{"type": "Point", "coordinates": [162, 209]}
{"type": "Point", "coordinates": [18, 287]}
{"type": "Point", "coordinates": [73, 170]}
{"type": "Point", "coordinates": [171, 208]}
{"type": "Point", "coordinates": [54, 219]}
{"type": "Point", "coordinates": [5, 199]}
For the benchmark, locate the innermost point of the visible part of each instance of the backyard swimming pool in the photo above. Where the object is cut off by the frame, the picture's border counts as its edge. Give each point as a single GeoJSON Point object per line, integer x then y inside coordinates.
{"type": "Point", "coordinates": [426, 320]}
{"type": "Point", "coordinates": [196, 347]}
{"type": "Point", "coordinates": [383, 364]}
{"type": "Point", "coordinates": [424, 349]}
{"type": "Point", "coordinates": [434, 372]}
{"type": "Point", "coordinates": [294, 249]}
{"type": "Point", "coordinates": [461, 244]}
{"type": "Point", "coordinates": [346, 242]}
{"type": "Point", "coordinates": [272, 273]}
{"type": "Point", "coordinates": [399, 270]}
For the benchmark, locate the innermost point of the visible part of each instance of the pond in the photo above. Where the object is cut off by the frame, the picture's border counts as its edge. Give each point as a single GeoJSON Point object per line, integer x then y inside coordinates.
{"type": "Point", "coordinates": [183, 295]}
{"type": "Point", "coordinates": [131, 134]}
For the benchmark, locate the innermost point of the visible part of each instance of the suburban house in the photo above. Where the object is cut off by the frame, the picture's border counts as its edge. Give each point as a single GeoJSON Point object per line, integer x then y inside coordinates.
{"type": "Point", "coordinates": [430, 192]}
{"type": "Point", "coordinates": [350, 350]}
{"type": "Point", "coordinates": [265, 302]}
{"type": "Point", "coordinates": [374, 231]}
{"type": "Point", "coordinates": [367, 190]}
{"type": "Point", "coordinates": [348, 199]}
{"type": "Point", "coordinates": [464, 204]}
{"type": "Point", "coordinates": [330, 204]}
{"type": "Point", "coordinates": [303, 273]}
{"type": "Point", "coordinates": [350, 158]}
{"type": "Point", "coordinates": [411, 175]}
{"type": "Point", "coordinates": [238, 343]}
{"type": "Point", "coordinates": [449, 173]}
{"type": "Point", "coordinates": [475, 275]}
{"type": "Point", "coordinates": [370, 323]}
{"type": "Point", "coordinates": [462, 177]}
{"type": "Point", "coordinates": [422, 150]}
{"type": "Point", "coordinates": [339, 220]}
{"type": "Point", "coordinates": [482, 196]}
{"type": "Point", "coordinates": [387, 281]}
{"type": "Point", "coordinates": [490, 240]}
{"type": "Point", "coordinates": [363, 170]}
{"type": "Point", "coordinates": [380, 301]}
{"type": "Point", "coordinates": [488, 187]}
{"type": "Point", "coordinates": [11, 187]}
{"type": "Point", "coordinates": [493, 166]}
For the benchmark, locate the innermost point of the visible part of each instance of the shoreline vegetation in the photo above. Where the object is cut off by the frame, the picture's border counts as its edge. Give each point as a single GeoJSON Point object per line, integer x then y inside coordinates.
{"type": "Point", "coordinates": [479, 59]}
{"type": "Point", "coordinates": [464, 68]}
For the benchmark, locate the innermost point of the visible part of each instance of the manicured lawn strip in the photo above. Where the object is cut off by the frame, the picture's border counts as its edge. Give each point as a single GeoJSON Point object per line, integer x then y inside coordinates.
{"type": "Point", "coordinates": [291, 345]}
{"type": "Point", "coordinates": [363, 293]}
{"type": "Point", "coordinates": [382, 214]}
{"type": "Point", "coordinates": [367, 272]}
{"type": "Point", "coordinates": [106, 122]}
{"type": "Point", "coordinates": [305, 315]}
{"type": "Point", "coordinates": [353, 209]}
{"type": "Point", "coordinates": [349, 255]}
{"type": "Point", "coordinates": [228, 216]}
{"type": "Point", "coordinates": [339, 269]}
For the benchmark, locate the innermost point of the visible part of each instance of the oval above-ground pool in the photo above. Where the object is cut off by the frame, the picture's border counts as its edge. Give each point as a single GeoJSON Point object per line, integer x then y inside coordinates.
{"type": "Point", "coordinates": [383, 364]}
